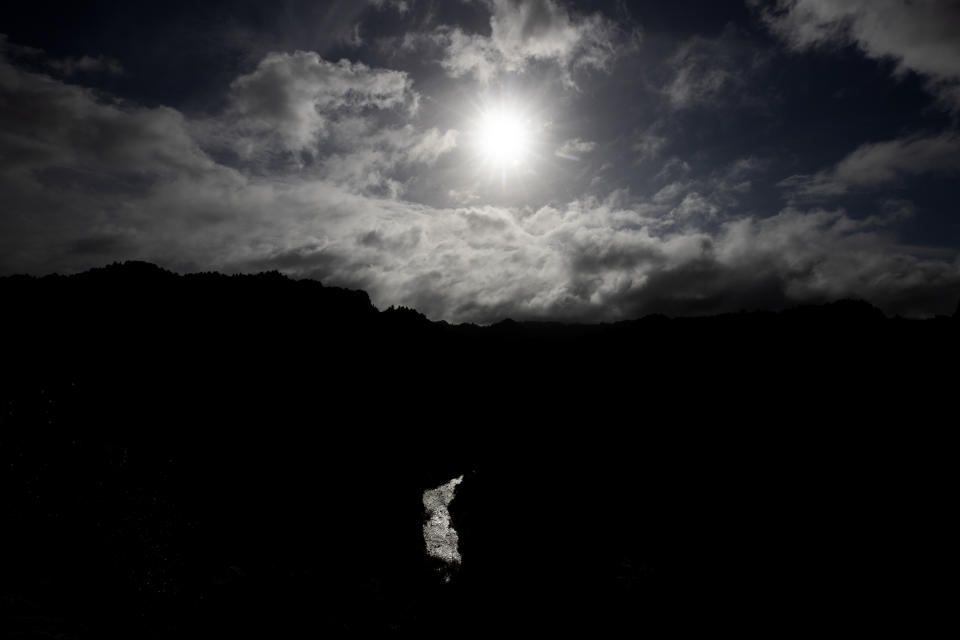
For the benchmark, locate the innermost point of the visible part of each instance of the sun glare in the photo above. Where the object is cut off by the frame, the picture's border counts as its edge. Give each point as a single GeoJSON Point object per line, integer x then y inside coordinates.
{"type": "Point", "coordinates": [503, 138]}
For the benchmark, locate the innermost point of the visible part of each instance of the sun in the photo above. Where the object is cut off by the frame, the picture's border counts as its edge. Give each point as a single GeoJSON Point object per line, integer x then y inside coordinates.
{"type": "Point", "coordinates": [503, 137]}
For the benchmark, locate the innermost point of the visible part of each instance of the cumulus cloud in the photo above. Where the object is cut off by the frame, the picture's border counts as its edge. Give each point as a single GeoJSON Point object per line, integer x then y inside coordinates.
{"type": "Point", "coordinates": [467, 54]}
{"type": "Point", "coordinates": [794, 256]}
{"type": "Point", "coordinates": [720, 190]}
{"type": "Point", "coordinates": [694, 206]}
{"type": "Point", "coordinates": [293, 98]}
{"type": "Point", "coordinates": [591, 260]}
{"type": "Point", "coordinates": [522, 33]}
{"type": "Point", "coordinates": [85, 180]}
{"type": "Point", "coordinates": [341, 121]}
{"type": "Point", "coordinates": [918, 36]}
{"type": "Point", "coordinates": [80, 172]}
{"type": "Point", "coordinates": [882, 163]}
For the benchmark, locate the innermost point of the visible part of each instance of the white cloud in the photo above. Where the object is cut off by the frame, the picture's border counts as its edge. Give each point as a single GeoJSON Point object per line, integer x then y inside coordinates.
{"type": "Point", "coordinates": [918, 36]}
{"type": "Point", "coordinates": [672, 191]}
{"type": "Point", "coordinates": [431, 145]}
{"type": "Point", "coordinates": [467, 54]}
{"type": "Point", "coordinates": [694, 206]}
{"type": "Point", "coordinates": [575, 147]}
{"type": "Point", "coordinates": [882, 163]}
{"type": "Point", "coordinates": [96, 181]}
{"type": "Point", "coordinates": [527, 32]}
{"type": "Point", "coordinates": [294, 97]}
{"type": "Point", "coordinates": [336, 121]}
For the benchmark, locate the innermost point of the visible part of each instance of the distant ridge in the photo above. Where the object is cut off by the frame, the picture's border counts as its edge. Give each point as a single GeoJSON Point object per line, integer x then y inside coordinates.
{"type": "Point", "coordinates": [140, 281]}
{"type": "Point", "coordinates": [135, 321]}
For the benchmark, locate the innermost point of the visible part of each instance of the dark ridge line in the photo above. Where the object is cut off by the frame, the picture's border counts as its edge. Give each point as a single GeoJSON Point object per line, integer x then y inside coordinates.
{"type": "Point", "coordinates": [143, 272]}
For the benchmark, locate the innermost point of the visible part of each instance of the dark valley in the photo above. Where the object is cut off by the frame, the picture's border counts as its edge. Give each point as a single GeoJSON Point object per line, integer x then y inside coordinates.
{"type": "Point", "coordinates": [209, 456]}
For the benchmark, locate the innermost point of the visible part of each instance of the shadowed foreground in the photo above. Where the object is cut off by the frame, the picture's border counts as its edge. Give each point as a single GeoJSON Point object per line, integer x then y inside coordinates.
{"type": "Point", "coordinates": [212, 456]}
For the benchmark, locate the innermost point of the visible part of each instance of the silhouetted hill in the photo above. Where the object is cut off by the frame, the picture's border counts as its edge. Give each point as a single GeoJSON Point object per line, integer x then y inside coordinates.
{"type": "Point", "coordinates": [207, 456]}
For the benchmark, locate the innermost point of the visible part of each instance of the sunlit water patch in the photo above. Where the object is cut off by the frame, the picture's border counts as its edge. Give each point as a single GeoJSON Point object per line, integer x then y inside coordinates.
{"type": "Point", "coordinates": [440, 538]}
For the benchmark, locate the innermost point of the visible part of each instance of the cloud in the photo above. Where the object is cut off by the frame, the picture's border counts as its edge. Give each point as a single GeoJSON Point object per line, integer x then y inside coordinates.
{"type": "Point", "coordinates": [76, 169]}
{"type": "Point", "coordinates": [68, 66]}
{"type": "Point", "coordinates": [706, 70]}
{"type": "Point", "coordinates": [87, 64]}
{"type": "Point", "coordinates": [919, 36]}
{"type": "Point", "coordinates": [794, 256]}
{"type": "Point", "coordinates": [522, 33]}
{"type": "Point", "coordinates": [574, 148]}
{"type": "Point", "coordinates": [697, 76]}
{"type": "Point", "coordinates": [86, 179]}
{"type": "Point", "coordinates": [82, 174]}
{"type": "Point", "coordinates": [294, 97]}
{"type": "Point", "coordinates": [543, 29]}
{"type": "Point", "coordinates": [400, 6]}
{"type": "Point", "coordinates": [648, 146]}
{"type": "Point", "coordinates": [343, 122]}
{"type": "Point", "coordinates": [467, 54]}
{"type": "Point", "coordinates": [703, 203]}
{"type": "Point", "coordinates": [694, 205]}
{"type": "Point", "coordinates": [881, 164]}
{"type": "Point", "coordinates": [431, 145]}
{"type": "Point", "coordinates": [353, 38]}
{"type": "Point", "coordinates": [593, 260]}
{"type": "Point", "coordinates": [53, 124]}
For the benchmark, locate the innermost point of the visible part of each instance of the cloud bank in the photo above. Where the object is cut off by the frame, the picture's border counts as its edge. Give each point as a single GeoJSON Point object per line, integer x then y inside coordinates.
{"type": "Point", "coordinates": [305, 170]}
{"type": "Point", "coordinates": [523, 33]}
{"type": "Point", "coordinates": [882, 164]}
{"type": "Point", "coordinates": [918, 36]}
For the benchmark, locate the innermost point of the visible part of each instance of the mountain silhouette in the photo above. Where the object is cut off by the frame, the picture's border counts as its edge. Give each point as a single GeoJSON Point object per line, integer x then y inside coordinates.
{"type": "Point", "coordinates": [246, 455]}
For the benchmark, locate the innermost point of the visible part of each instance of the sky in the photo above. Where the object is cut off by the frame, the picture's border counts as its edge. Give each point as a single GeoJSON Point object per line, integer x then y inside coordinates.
{"type": "Point", "coordinates": [484, 159]}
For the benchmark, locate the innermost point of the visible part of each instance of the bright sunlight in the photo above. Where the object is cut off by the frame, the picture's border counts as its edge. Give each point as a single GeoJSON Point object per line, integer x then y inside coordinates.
{"type": "Point", "coordinates": [503, 138]}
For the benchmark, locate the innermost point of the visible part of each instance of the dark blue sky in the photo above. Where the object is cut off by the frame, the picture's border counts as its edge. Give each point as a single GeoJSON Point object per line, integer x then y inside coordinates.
{"type": "Point", "coordinates": [677, 156]}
